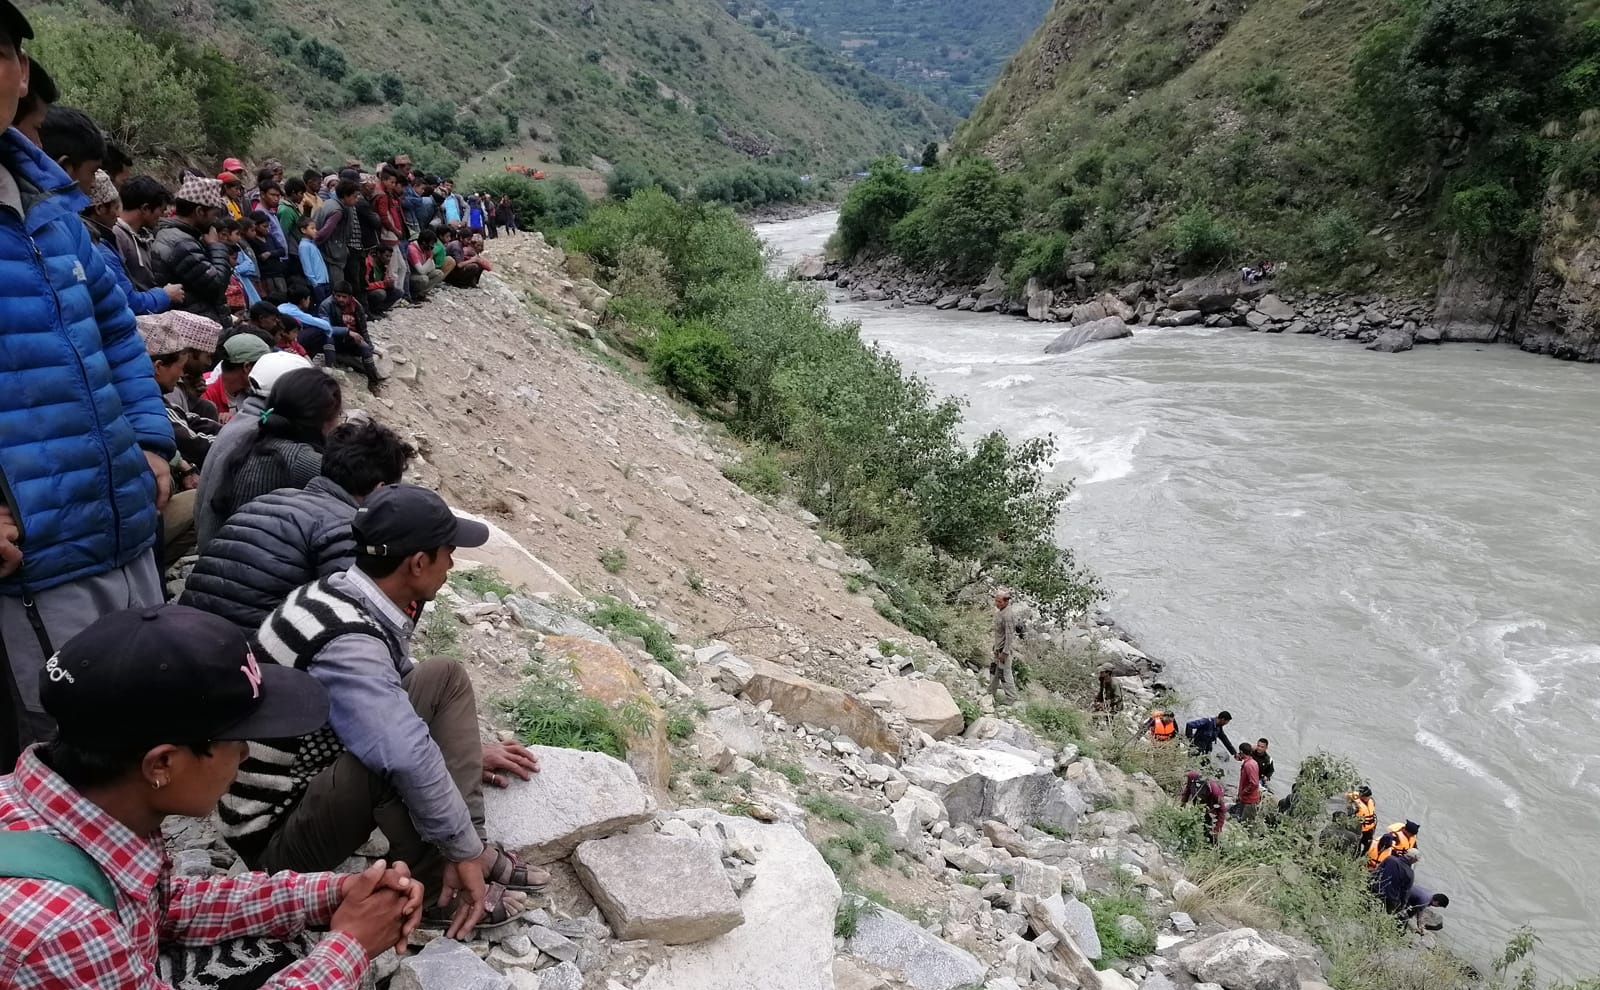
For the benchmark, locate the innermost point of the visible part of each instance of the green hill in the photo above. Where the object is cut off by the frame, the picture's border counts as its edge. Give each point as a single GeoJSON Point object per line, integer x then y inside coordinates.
{"type": "Point", "coordinates": [948, 50]}
{"type": "Point", "coordinates": [676, 85]}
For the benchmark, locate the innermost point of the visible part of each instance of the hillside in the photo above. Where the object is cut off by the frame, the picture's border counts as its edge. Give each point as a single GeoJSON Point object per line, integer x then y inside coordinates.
{"type": "Point", "coordinates": [948, 50]}
{"type": "Point", "coordinates": [674, 85]}
{"type": "Point", "coordinates": [1434, 149]}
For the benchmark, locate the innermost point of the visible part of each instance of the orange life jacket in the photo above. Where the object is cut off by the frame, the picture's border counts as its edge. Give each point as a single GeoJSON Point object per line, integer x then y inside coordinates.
{"type": "Point", "coordinates": [1366, 811]}
{"type": "Point", "coordinates": [1163, 726]}
{"type": "Point", "coordinates": [1400, 843]}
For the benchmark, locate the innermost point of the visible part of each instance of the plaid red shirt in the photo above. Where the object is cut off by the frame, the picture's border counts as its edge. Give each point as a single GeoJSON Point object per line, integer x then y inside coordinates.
{"type": "Point", "coordinates": [55, 937]}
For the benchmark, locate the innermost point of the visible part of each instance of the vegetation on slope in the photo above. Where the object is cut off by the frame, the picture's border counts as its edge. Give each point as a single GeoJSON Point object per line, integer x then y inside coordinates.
{"type": "Point", "coordinates": [948, 50]}
{"type": "Point", "coordinates": [678, 85]}
{"type": "Point", "coordinates": [869, 448]}
{"type": "Point", "coordinates": [1342, 137]}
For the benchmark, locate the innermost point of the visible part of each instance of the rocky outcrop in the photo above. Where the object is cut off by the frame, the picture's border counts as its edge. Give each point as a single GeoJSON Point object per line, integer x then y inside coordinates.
{"type": "Point", "coordinates": [1240, 960]}
{"type": "Point", "coordinates": [667, 888]}
{"type": "Point", "coordinates": [786, 941]}
{"type": "Point", "coordinates": [1392, 341]}
{"type": "Point", "coordinates": [925, 704]}
{"type": "Point", "coordinates": [575, 797]}
{"type": "Point", "coordinates": [603, 673]}
{"type": "Point", "coordinates": [800, 699]}
{"type": "Point", "coordinates": [977, 785]}
{"type": "Point", "coordinates": [1109, 328]}
{"type": "Point", "coordinates": [920, 958]}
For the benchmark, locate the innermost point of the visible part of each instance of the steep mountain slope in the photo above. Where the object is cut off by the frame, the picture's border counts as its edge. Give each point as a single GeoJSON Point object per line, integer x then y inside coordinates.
{"type": "Point", "coordinates": [675, 84]}
{"type": "Point", "coordinates": [948, 50]}
{"type": "Point", "coordinates": [1412, 146]}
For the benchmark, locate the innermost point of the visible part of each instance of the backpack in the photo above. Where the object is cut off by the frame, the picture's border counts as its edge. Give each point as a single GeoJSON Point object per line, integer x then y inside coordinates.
{"type": "Point", "coordinates": [42, 856]}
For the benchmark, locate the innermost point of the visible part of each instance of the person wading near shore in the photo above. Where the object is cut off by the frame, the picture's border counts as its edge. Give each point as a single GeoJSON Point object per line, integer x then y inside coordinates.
{"type": "Point", "coordinates": [1366, 812]}
{"type": "Point", "coordinates": [401, 750]}
{"type": "Point", "coordinates": [151, 705]}
{"type": "Point", "coordinates": [1008, 632]}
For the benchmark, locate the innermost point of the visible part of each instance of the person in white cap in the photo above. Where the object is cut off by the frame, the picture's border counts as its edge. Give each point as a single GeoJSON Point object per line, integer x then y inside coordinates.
{"type": "Point", "coordinates": [237, 433]}
{"type": "Point", "coordinates": [84, 439]}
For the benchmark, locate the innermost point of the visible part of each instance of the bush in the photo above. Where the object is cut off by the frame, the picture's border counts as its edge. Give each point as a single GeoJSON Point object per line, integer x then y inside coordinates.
{"type": "Point", "coordinates": [363, 87]}
{"type": "Point", "coordinates": [614, 560]}
{"type": "Point", "coordinates": [628, 178]}
{"type": "Point", "coordinates": [392, 87]}
{"type": "Point", "coordinates": [694, 359]}
{"type": "Point", "coordinates": [758, 472]}
{"type": "Point", "coordinates": [528, 197]}
{"type": "Point", "coordinates": [567, 205]}
{"type": "Point", "coordinates": [1107, 908]}
{"type": "Point", "coordinates": [872, 208]}
{"type": "Point", "coordinates": [1030, 254]}
{"type": "Point", "coordinates": [752, 185]}
{"type": "Point", "coordinates": [324, 58]}
{"type": "Point", "coordinates": [233, 105]}
{"type": "Point", "coordinates": [1334, 233]}
{"type": "Point", "coordinates": [1200, 238]}
{"type": "Point", "coordinates": [550, 712]}
{"type": "Point", "coordinates": [628, 621]}
{"type": "Point", "coordinates": [962, 212]}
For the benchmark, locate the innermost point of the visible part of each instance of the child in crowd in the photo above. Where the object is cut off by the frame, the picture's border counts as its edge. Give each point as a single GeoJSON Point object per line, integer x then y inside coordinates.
{"type": "Point", "coordinates": [312, 265]}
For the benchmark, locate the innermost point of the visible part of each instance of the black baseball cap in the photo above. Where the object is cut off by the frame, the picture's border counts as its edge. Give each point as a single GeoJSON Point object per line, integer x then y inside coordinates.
{"type": "Point", "coordinates": [146, 676]}
{"type": "Point", "coordinates": [400, 520]}
{"type": "Point", "coordinates": [13, 24]}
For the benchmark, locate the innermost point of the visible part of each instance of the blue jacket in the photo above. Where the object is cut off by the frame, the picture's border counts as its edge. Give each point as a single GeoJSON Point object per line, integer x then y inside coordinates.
{"type": "Point", "coordinates": [143, 303]}
{"type": "Point", "coordinates": [1204, 733]}
{"type": "Point", "coordinates": [312, 264]}
{"type": "Point", "coordinates": [80, 397]}
{"type": "Point", "coordinates": [419, 210]}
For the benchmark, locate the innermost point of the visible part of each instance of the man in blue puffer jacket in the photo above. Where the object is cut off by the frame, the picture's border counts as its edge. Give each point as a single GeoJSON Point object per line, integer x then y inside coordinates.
{"type": "Point", "coordinates": [84, 440]}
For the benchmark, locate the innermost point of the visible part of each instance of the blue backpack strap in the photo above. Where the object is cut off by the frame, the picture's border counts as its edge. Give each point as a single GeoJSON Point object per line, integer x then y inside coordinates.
{"type": "Point", "coordinates": [42, 856]}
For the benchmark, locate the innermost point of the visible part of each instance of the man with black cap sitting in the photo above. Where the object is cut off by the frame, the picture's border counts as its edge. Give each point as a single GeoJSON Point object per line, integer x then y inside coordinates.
{"type": "Point", "coordinates": [151, 705]}
{"type": "Point", "coordinates": [401, 750]}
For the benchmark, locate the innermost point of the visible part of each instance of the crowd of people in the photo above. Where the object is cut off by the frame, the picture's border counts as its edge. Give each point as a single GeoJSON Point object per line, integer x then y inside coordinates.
{"type": "Point", "coordinates": [167, 356]}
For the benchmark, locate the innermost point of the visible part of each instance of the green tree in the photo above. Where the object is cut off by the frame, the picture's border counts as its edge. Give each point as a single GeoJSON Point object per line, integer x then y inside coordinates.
{"type": "Point", "coordinates": [930, 155]}
{"type": "Point", "coordinates": [964, 211]}
{"type": "Point", "coordinates": [1478, 65]}
{"type": "Point", "coordinates": [392, 87]}
{"type": "Point", "coordinates": [628, 177]}
{"type": "Point", "coordinates": [135, 90]}
{"type": "Point", "coordinates": [233, 105]}
{"type": "Point", "coordinates": [873, 206]}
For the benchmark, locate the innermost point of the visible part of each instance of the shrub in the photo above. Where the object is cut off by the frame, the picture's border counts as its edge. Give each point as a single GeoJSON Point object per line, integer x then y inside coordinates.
{"type": "Point", "coordinates": [614, 560]}
{"type": "Point", "coordinates": [363, 87]}
{"type": "Point", "coordinates": [393, 87]}
{"type": "Point", "coordinates": [528, 196]}
{"type": "Point", "coordinates": [643, 277]}
{"type": "Point", "coordinates": [872, 208]}
{"type": "Point", "coordinates": [694, 359]}
{"type": "Point", "coordinates": [758, 472]}
{"type": "Point", "coordinates": [628, 178]}
{"type": "Point", "coordinates": [324, 58]}
{"type": "Point", "coordinates": [961, 215]}
{"type": "Point", "coordinates": [752, 185]}
{"type": "Point", "coordinates": [628, 621]}
{"type": "Point", "coordinates": [567, 205]}
{"type": "Point", "coordinates": [1057, 722]}
{"type": "Point", "coordinates": [1334, 233]}
{"type": "Point", "coordinates": [1107, 908]}
{"type": "Point", "coordinates": [1030, 254]}
{"type": "Point", "coordinates": [1200, 238]}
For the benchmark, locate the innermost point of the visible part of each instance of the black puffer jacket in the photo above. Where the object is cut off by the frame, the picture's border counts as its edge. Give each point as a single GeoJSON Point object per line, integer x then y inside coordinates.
{"type": "Point", "coordinates": [270, 546]}
{"type": "Point", "coordinates": [179, 255]}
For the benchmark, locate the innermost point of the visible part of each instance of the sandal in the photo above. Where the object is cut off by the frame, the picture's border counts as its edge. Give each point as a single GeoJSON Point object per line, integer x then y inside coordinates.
{"type": "Point", "coordinates": [502, 908]}
{"type": "Point", "coordinates": [510, 872]}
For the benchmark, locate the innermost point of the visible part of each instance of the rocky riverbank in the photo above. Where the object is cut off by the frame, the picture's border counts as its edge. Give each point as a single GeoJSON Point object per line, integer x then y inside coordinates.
{"type": "Point", "coordinates": [1381, 323]}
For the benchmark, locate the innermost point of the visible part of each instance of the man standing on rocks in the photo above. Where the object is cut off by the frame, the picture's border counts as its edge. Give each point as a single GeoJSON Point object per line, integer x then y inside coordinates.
{"type": "Point", "coordinates": [401, 750]}
{"type": "Point", "coordinates": [1249, 798]}
{"type": "Point", "coordinates": [1204, 733]}
{"type": "Point", "coordinates": [1008, 632]}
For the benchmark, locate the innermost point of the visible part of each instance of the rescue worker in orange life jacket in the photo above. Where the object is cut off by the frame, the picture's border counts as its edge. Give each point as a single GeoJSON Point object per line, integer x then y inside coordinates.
{"type": "Point", "coordinates": [1397, 838]}
{"type": "Point", "coordinates": [1161, 726]}
{"type": "Point", "coordinates": [1366, 812]}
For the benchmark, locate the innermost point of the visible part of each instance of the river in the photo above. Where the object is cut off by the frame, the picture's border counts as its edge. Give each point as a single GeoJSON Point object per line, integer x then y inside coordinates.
{"type": "Point", "coordinates": [1387, 556]}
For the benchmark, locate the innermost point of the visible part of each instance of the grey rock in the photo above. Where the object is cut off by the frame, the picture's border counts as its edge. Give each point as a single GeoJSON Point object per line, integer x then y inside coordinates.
{"type": "Point", "coordinates": [1039, 304]}
{"type": "Point", "coordinates": [977, 785]}
{"type": "Point", "coordinates": [731, 726]}
{"type": "Point", "coordinates": [1428, 335]}
{"type": "Point", "coordinates": [1186, 317]}
{"type": "Point", "coordinates": [1082, 269]}
{"type": "Point", "coordinates": [1156, 981]}
{"type": "Point", "coordinates": [1274, 308]}
{"type": "Point", "coordinates": [1392, 342]}
{"type": "Point", "coordinates": [947, 301]}
{"type": "Point", "coordinates": [1077, 919]}
{"type": "Point", "coordinates": [1300, 326]}
{"type": "Point", "coordinates": [1131, 928]}
{"type": "Point", "coordinates": [563, 976]}
{"type": "Point", "coordinates": [1032, 878]}
{"type": "Point", "coordinates": [1209, 294]}
{"type": "Point", "coordinates": [575, 796]}
{"type": "Point", "coordinates": [989, 301]}
{"type": "Point", "coordinates": [518, 945]}
{"type": "Point", "coordinates": [1240, 960]}
{"type": "Point", "coordinates": [659, 887]}
{"type": "Point", "coordinates": [1256, 320]}
{"type": "Point", "coordinates": [810, 267]}
{"type": "Point", "coordinates": [926, 704]}
{"type": "Point", "coordinates": [541, 618]}
{"type": "Point", "coordinates": [552, 943]}
{"type": "Point", "coordinates": [1183, 923]}
{"type": "Point", "coordinates": [1110, 328]}
{"type": "Point", "coordinates": [923, 960]}
{"type": "Point", "coordinates": [444, 964]}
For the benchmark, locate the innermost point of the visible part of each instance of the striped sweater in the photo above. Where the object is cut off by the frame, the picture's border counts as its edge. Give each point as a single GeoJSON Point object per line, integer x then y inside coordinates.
{"type": "Point", "coordinates": [275, 774]}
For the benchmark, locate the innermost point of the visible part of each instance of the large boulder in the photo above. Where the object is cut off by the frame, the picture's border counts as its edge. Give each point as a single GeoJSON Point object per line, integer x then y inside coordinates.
{"type": "Point", "coordinates": [786, 941]}
{"type": "Point", "coordinates": [990, 301]}
{"type": "Point", "coordinates": [1240, 960]}
{"type": "Point", "coordinates": [575, 797]}
{"type": "Point", "coordinates": [810, 267]}
{"type": "Point", "coordinates": [1039, 304]}
{"type": "Point", "coordinates": [445, 964]}
{"type": "Point", "coordinates": [923, 960]}
{"type": "Point", "coordinates": [1392, 341]}
{"type": "Point", "coordinates": [544, 619]}
{"type": "Point", "coordinates": [735, 731]}
{"type": "Point", "coordinates": [926, 705]}
{"type": "Point", "coordinates": [1089, 312]}
{"type": "Point", "coordinates": [1209, 294]}
{"type": "Point", "coordinates": [604, 674]}
{"type": "Point", "coordinates": [663, 887]}
{"type": "Point", "coordinates": [981, 784]}
{"type": "Point", "coordinates": [799, 699]}
{"type": "Point", "coordinates": [1110, 328]}
{"type": "Point", "coordinates": [513, 563]}
{"type": "Point", "coordinates": [1274, 308]}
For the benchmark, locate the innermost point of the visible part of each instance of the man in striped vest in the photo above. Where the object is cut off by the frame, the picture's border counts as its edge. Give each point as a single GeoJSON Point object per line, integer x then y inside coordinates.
{"type": "Point", "coordinates": [401, 750]}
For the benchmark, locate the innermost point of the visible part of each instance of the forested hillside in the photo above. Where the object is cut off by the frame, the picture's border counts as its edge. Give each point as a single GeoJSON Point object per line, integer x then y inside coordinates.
{"type": "Point", "coordinates": [675, 86]}
{"type": "Point", "coordinates": [948, 50]}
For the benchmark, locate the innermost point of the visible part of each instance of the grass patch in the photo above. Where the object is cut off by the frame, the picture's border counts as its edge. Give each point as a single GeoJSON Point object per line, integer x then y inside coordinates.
{"type": "Point", "coordinates": [830, 808]}
{"type": "Point", "coordinates": [440, 635]}
{"type": "Point", "coordinates": [847, 918]}
{"type": "Point", "coordinates": [482, 581]}
{"type": "Point", "coordinates": [971, 711]}
{"type": "Point", "coordinates": [696, 582]}
{"type": "Point", "coordinates": [680, 722]}
{"type": "Point", "coordinates": [1057, 722]}
{"type": "Point", "coordinates": [789, 770]}
{"type": "Point", "coordinates": [550, 712]}
{"type": "Point", "coordinates": [614, 560]}
{"type": "Point", "coordinates": [758, 472]}
{"type": "Point", "coordinates": [1107, 908]}
{"type": "Point", "coordinates": [625, 620]}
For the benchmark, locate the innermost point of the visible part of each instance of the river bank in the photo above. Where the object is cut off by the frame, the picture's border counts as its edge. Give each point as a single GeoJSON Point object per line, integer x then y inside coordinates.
{"type": "Point", "coordinates": [1331, 548]}
{"type": "Point", "coordinates": [1381, 323]}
